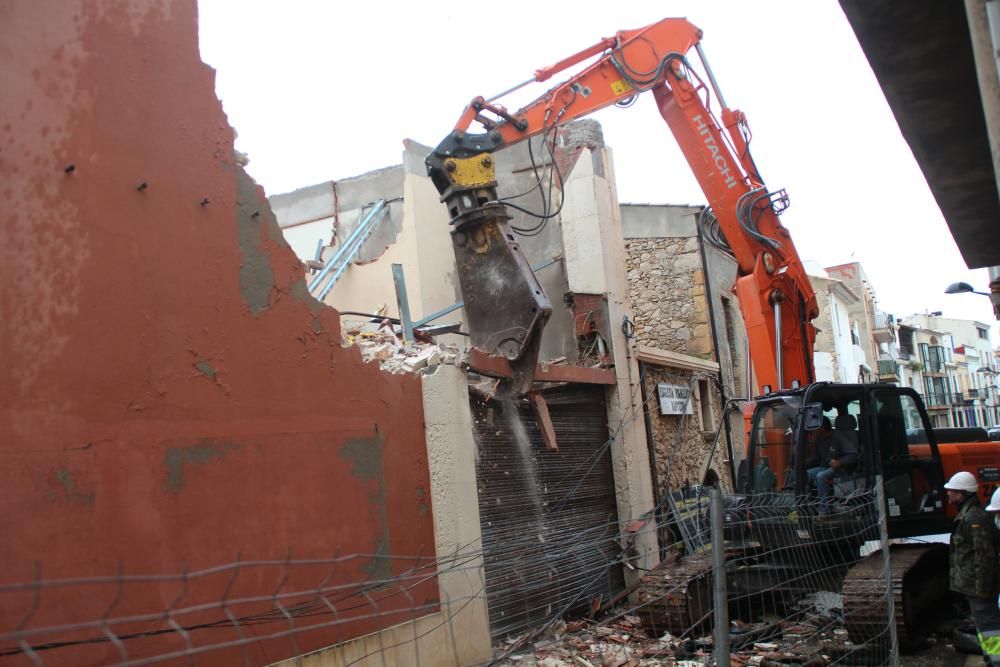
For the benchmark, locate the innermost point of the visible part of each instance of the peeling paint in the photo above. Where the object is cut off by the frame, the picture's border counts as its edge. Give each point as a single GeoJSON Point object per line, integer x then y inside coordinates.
{"type": "Point", "coordinates": [176, 458]}
{"type": "Point", "coordinates": [366, 457]}
{"type": "Point", "coordinates": [205, 368]}
{"type": "Point", "coordinates": [300, 292]}
{"type": "Point", "coordinates": [70, 490]}
{"type": "Point", "coordinates": [256, 272]}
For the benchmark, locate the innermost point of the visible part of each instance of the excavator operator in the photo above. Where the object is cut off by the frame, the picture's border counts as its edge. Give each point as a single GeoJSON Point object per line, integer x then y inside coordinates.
{"type": "Point", "coordinates": [836, 454]}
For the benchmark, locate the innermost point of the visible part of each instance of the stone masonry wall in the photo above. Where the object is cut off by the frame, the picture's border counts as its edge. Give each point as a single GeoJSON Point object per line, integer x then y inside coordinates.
{"type": "Point", "coordinates": [667, 289]}
{"type": "Point", "coordinates": [675, 462]}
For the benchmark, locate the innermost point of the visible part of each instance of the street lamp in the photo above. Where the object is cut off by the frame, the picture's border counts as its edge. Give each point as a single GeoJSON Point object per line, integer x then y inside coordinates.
{"type": "Point", "coordinates": [962, 288]}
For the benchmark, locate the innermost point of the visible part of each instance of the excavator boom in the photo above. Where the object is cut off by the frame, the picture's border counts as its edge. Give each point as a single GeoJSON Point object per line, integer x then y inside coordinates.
{"type": "Point", "coordinates": [506, 308]}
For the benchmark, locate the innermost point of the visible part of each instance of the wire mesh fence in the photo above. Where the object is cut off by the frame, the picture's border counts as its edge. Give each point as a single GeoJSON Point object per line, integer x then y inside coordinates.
{"type": "Point", "coordinates": [798, 584]}
{"type": "Point", "coordinates": [801, 587]}
{"type": "Point", "coordinates": [801, 580]}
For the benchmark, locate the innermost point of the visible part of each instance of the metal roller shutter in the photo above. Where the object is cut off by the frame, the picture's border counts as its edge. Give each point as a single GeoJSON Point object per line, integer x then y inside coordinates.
{"type": "Point", "coordinates": [560, 553]}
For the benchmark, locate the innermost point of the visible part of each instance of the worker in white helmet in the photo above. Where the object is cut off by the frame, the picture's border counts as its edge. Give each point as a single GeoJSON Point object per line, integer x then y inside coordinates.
{"type": "Point", "coordinates": [994, 507]}
{"type": "Point", "coordinates": [973, 562]}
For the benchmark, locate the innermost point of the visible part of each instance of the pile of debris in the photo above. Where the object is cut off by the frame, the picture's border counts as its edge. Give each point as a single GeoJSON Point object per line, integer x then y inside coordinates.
{"type": "Point", "coordinates": [382, 342]}
{"type": "Point", "coordinates": [623, 641]}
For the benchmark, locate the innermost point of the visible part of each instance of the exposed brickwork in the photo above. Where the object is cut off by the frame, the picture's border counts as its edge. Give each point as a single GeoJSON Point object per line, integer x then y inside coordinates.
{"type": "Point", "coordinates": [572, 139]}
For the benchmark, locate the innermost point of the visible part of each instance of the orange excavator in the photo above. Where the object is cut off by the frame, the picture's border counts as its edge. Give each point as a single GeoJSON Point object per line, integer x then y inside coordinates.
{"type": "Point", "coordinates": [506, 310]}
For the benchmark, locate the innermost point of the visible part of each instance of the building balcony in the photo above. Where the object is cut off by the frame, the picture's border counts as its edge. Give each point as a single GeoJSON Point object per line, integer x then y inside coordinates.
{"type": "Point", "coordinates": [937, 401]}
{"type": "Point", "coordinates": [934, 368]}
{"type": "Point", "coordinates": [888, 370]}
{"type": "Point", "coordinates": [883, 327]}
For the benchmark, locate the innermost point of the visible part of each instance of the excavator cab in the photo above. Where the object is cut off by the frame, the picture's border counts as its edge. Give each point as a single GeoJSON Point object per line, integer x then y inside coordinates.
{"type": "Point", "coordinates": [872, 420]}
{"type": "Point", "coordinates": [781, 518]}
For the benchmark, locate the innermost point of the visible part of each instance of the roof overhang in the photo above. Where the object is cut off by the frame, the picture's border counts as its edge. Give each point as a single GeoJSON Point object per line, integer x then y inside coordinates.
{"type": "Point", "coordinates": [921, 52]}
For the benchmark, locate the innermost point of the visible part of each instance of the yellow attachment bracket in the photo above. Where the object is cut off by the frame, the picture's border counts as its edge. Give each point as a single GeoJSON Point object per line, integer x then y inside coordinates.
{"type": "Point", "coordinates": [471, 172]}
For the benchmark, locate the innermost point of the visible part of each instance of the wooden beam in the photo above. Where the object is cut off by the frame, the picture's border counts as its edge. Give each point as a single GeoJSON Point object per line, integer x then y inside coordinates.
{"type": "Point", "coordinates": [541, 410]}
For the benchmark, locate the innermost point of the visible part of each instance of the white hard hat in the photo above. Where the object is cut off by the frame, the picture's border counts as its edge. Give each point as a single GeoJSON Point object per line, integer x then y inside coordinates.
{"type": "Point", "coordinates": [962, 481]}
{"type": "Point", "coordinates": [994, 505]}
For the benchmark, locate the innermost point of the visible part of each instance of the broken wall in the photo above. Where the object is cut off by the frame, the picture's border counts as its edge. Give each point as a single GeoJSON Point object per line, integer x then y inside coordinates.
{"type": "Point", "coordinates": [172, 399]}
{"type": "Point", "coordinates": [418, 235]}
{"type": "Point", "coordinates": [326, 213]}
{"type": "Point", "coordinates": [579, 258]}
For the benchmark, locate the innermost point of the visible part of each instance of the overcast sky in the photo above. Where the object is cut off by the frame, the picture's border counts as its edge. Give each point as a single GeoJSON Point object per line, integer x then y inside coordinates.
{"type": "Point", "coordinates": [319, 90]}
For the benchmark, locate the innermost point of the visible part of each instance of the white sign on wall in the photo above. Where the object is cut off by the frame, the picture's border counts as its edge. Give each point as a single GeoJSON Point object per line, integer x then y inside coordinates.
{"type": "Point", "coordinates": [675, 399]}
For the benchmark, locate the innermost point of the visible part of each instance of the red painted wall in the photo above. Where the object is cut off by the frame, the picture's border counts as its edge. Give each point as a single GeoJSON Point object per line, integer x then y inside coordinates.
{"type": "Point", "coordinates": [171, 398]}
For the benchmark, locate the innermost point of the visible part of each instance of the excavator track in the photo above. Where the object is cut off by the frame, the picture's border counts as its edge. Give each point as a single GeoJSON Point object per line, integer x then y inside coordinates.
{"type": "Point", "coordinates": [678, 597]}
{"type": "Point", "coordinates": [916, 571]}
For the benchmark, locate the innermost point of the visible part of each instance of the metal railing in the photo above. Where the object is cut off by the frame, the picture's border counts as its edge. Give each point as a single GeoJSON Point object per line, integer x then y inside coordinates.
{"type": "Point", "coordinates": [887, 368]}
{"type": "Point", "coordinates": [882, 320]}
{"type": "Point", "coordinates": [937, 400]}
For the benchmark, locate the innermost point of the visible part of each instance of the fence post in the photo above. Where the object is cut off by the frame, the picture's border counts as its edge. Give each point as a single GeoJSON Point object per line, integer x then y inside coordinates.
{"type": "Point", "coordinates": [721, 602]}
{"type": "Point", "coordinates": [883, 530]}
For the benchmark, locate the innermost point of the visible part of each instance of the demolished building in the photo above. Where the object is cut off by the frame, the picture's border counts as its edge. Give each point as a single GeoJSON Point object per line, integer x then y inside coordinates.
{"type": "Point", "coordinates": [193, 451]}
{"type": "Point", "coordinates": [640, 309]}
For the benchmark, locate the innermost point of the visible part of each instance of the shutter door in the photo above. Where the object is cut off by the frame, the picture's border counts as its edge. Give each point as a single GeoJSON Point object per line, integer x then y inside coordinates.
{"type": "Point", "coordinates": [560, 553]}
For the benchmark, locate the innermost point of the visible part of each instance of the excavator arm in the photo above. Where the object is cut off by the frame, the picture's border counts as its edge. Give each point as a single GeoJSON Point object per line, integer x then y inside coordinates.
{"type": "Point", "coordinates": [505, 306]}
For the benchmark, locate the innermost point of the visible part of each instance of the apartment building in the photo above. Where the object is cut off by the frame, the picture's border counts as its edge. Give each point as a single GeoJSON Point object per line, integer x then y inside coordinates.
{"type": "Point", "coordinates": [864, 316]}
{"type": "Point", "coordinates": [952, 363]}
{"type": "Point", "coordinates": [837, 354]}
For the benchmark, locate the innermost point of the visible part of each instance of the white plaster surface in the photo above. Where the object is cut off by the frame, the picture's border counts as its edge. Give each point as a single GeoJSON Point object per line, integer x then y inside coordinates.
{"type": "Point", "coordinates": [303, 237]}
{"type": "Point", "coordinates": [581, 223]}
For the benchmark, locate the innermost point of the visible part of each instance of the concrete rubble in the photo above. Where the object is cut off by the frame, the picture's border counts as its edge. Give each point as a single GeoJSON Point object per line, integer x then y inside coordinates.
{"type": "Point", "coordinates": [382, 342]}
{"type": "Point", "coordinates": [623, 641]}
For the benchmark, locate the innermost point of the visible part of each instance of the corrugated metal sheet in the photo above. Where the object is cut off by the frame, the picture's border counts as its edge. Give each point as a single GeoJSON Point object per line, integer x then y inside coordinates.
{"type": "Point", "coordinates": [560, 553]}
